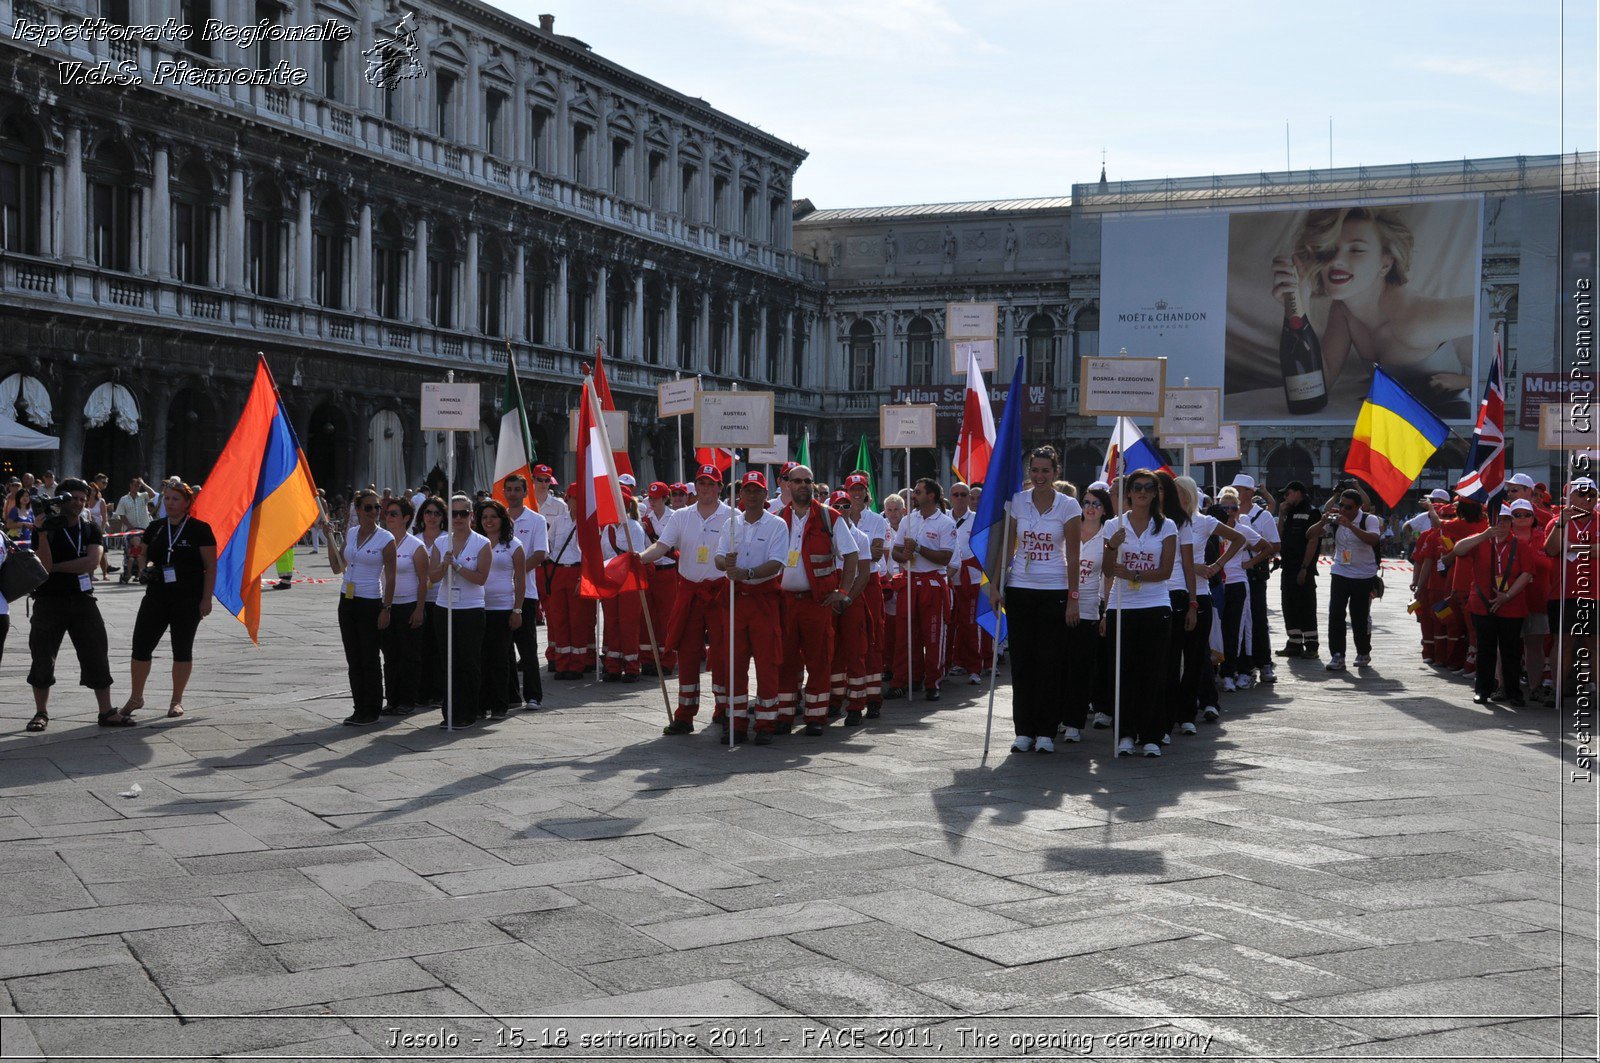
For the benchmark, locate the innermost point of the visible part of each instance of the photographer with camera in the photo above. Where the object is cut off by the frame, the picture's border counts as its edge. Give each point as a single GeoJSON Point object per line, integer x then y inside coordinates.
{"type": "Point", "coordinates": [69, 548]}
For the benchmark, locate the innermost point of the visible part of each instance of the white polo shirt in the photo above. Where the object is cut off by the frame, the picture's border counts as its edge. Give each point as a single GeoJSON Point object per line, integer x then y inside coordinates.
{"type": "Point", "coordinates": [753, 545]}
{"type": "Point", "coordinates": [560, 531]}
{"type": "Point", "coordinates": [1040, 562]}
{"type": "Point", "coordinates": [1140, 553]}
{"type": "Point", "coordinates": [696, 539]}
{"type": "Point", "coordinates": [937, 532]}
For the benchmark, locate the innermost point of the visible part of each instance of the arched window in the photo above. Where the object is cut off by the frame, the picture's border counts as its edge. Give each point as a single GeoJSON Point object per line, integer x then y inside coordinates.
{"type": "Point", "coordinates": [266, 224]}
{"type": "Point", "coordinates": [687, 301]}
{"type": "Point", "coordinates": [333, 69]}
{"type": "Point", "coordinates": [688, 189]}
{"type": "Point", "coordinates": [330, 251]}
{"type": "Point", "coordinates": [494, 109]}
{"type": "Point", "coordinates": [21, 149]}
{"type": "Point", "coordinates": [115, 228]}
{"type": "Point", "coordinates": [747, 341]}
{"type": "Point", "coordinates": [719, 336]}
{"type": "Point", "coordinates": [1085, 338]}
{"type": "Point", "coordinates": [1290, 462]}
{"type": "Point", "coordinates": [862, 368]}
{"type": "Point", "coordinates": [388, 266]}
{"type": "Point", "coordinates": [196, 209]}
{"type": "Point", "coordinates": [1041, 349]}
{"type": "Point", "coordinates": [579, 282]}
{"type": "Point", "coordinates": [444, 104]}
{"type": "Point", "coordinates": [919, 352]}
{"type": "Point", "coordinates": [491, 288]}
{"type": "Point", "coordinates": [443, 265]}
{"type": "Point", "coordinates": [541, 137]}
{"type": "Point", "coordinates": [535, 302]}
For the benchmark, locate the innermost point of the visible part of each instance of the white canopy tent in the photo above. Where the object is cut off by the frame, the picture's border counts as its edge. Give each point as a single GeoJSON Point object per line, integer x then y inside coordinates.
{"type": "Point", "coordinates": [14, 436]}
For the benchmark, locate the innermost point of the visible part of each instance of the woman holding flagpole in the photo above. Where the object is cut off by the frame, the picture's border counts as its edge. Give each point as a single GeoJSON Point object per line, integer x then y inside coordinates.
{"type": "Point", "coordinates": [466, 557]}
{"type": "Point", "coordinates": [1141, 550]}
{"type": "Point", "coordinates": [1041, 600]}
{"type": "Point", "coordinates": [367, 562]}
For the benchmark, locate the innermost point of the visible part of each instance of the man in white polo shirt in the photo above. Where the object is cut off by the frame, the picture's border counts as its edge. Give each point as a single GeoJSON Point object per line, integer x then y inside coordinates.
{"type": "Point", "coordinates": [752, 553]}
{"type": "Point", "coordinates": [926, 543]}
{"type": "Point", "coordinates": [533, 532]}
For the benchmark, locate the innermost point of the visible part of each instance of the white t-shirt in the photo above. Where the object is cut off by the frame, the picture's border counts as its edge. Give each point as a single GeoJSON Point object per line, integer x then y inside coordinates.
{"type": "Point", "coordinates": [1233, 571]}
{"type": "Point", "coordinates": [563, 543]}
{"type": "Point", "coordinates": [464, 594]}
{"type": "Point", "coordinates": [753, 545]}
{"type": "Point", "coordinates": [417, 500]}
{"type": "Point", "coordinates": [655, 525]}
{"type": "Point", "coordinates": [1353, 558]}
{"type": "Point", "coordinates": [887, 566]}
{"type": "Point", "coordinates": [1420, 523]}
{"type": "Point", "coordinates": [1187, 536]}
{"type": "Point", "coordinates": [1140, 553]}
{"type": "Point", "coordinates": [876, 525]}
{"type": "Point", "coordinates": [1040, 562]}
{"type": "Point", "coordinates": [1205, 526]}
{"type": "Point", "coordinates": [363, 563]}
{"type": "Point", "coordinates": [1264, 523]}
{"type": "Point", "coordinates": [795, 577]}
{"type": "Point", "coordinates": [428, 552]}
{"type": "Point", "coordinates": [1091, 554]}
{"type": "Point", "coordinates": [405, 570]}
{"type": "Point", "coordinates": [937, 532]}
{"type": "Point", "coordinates": [499, 591]}
{"type": "Point", "coordinates": [617, 538]}
{"type": "Point", "coordinates": [533, 532]}
{"type": "Point", "coordinates": [696, 539]}
{"type": "Point", "coordinates": [863, 544]}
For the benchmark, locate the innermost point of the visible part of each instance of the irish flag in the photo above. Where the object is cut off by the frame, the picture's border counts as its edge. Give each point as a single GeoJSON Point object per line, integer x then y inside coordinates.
{"type": "Point", "coordinates": [976, 444]}
{"type": "Point", "coordinates": [513, 455]}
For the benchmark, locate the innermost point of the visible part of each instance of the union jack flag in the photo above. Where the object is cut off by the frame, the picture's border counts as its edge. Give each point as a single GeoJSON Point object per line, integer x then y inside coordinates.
{"type": "Point", "coordinates": [1486, 465]}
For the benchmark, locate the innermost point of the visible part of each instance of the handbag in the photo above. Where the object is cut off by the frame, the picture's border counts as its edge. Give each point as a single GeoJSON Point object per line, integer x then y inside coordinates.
{"type": "Point", "coordinates": [20, 573]}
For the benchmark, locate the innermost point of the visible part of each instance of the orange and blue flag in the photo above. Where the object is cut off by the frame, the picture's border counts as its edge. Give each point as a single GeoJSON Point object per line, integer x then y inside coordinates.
{"type": "Point", "coordinates": [259, 499]}
{"type": "Point", "coordinates": [1394, 438]}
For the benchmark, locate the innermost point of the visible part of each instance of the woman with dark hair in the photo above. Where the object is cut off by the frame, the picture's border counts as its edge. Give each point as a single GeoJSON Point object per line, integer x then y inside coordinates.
{"type": "Point", "coordinates": [367, 562]}
{"type": "Point", "coordinates": [1140, 553]}
{"type": "Point", "coordinates": [502, 604]}
{"type": "Point", "coordinates": [460, 562]}
{"type": "Point", "coordinates": [402, 640]}
{"type": "Point", "coordinates": [1182, 596]}
{"type": "Point", "coordinates": [180, 573]}
{"type": "Point", "coordinates": [429, 528]}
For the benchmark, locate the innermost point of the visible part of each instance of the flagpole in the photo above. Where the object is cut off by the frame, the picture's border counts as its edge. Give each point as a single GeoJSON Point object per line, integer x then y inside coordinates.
{"type": "Point", "coordinates": [911, 568]}
{"type": "Point", "coordinates": [678, 376]}
{"type": "Point", "coordinates": [733, 475]}
{"type": "Point", "coordinates": [1116, 696]}
{"type": "Point", "coordinates": [450, 580]}
{"type": "Point", "coordinates": [994, 647]}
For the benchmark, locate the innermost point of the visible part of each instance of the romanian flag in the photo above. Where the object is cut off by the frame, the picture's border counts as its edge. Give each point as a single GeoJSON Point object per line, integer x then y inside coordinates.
{"type": "Point", "coordinates": [259, 499]}
{"type": "Point", "coordinates": [1394, 438]}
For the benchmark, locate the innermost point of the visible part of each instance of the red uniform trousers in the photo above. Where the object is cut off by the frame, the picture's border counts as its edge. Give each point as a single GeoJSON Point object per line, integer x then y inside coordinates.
{"type": "Point", "coordinates": [930, 616]}
{"type": "Point", "coordinates": [570, 620]}
{"type": "Point", "coordinates": [699, 619]}
{"type": "Point", "coordinates": [758, 634]}
{"type": "Point", "coordinates": [971, 647]}
{"type": "Point", "coordinates": [848, 684]}
{"type": "Point", "coordinates": [894, 633]}
{"type": "Point", "coordinates": [808, 644]}
{"type": "Point", "coordinates": [624, 617]}
{"type": "Point", "coordinates": [872, 599]}
{"type": "Point", "coordinates": [662, 593]}
{"type": "Point", "coordinates": [1427, 620]}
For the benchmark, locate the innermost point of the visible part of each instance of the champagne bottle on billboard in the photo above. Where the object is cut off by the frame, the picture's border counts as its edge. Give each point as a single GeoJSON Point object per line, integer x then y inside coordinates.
{"type": "Point", "coordinates": [1305, 388]}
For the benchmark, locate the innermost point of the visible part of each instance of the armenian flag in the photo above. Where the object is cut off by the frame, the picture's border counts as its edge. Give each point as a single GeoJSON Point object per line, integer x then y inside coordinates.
{"type": "Point", "coordinates": [259, 499]}
{"type": "Point", "coordinates": [1394, 438]}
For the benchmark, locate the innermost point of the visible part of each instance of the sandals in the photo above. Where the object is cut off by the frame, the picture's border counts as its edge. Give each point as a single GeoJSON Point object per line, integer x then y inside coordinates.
{"type": "Point", "coordinates": [40, 721]}
{"type": "Point", "coordinates": [129, 707]}
{"type": "Point", "coordinates": [115, 719]}
{"type": "Point", "coordinates": [175, 711]}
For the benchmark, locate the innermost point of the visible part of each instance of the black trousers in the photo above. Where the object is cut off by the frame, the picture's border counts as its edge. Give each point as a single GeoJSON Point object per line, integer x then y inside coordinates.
{"type": "Point", "coordinates": [1036, 625]}
{"type": "Point", "coordinates": [1144, 633]}
{"type": "Point", "coordinates": [1172, 672]}
{"type": "Point", "coordinates": [1198, 687]}
{"type": "Point", "coordinates": [1260, 638]}
{"type": "Point", "coordinates": [1298, 602]}
{"type": "Point", "coordinates": [430, 670]}
{"type": "Point", "coordinates": [1084, 648]}
{"type": "Point", "coordinates": [1499, 639]}
{"type": "Point", "coordinates": [1357, 593]}
{"type": "Point", "coordinates": [402, 647]}
{"type": "Point", "coordinates": [358, 630]}
{"type": "Point", "coordinates": [468, 680]}
{"type": "Point", "coordinates": [76, 616]}
{"type": "Point", "coordinates": [525, 683]}
{"type": "Point", "coordinates": [496, 656]}
{"type": "Point", "coordinates": [1233, 599]}
{"type": "Point", "coordinates": [157, 613]}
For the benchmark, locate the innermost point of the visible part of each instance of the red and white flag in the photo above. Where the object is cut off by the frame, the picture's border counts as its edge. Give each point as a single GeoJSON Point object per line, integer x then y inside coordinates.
{"type": "Point", "coordinates": [602, 388]}
{"type": "Point", "coordinates": [595, 502]}
{"type": "Point", "coordinates": [1486, 464]}
{"type": "Point", "coordinates": [976, 445]}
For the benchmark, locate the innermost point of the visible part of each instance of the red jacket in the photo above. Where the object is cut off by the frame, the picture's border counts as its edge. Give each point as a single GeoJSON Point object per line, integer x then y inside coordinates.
{"type": "Point", "coordinates": [1494, 566]}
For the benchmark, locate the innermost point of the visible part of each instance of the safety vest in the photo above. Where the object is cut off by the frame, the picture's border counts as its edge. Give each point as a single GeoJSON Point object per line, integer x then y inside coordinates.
{"type": "Point", "coordinates": [816, 548]}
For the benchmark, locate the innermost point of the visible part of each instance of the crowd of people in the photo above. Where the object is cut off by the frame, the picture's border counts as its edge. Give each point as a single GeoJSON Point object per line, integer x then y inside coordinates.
{"type": "Point", "coordinates": [1140, 592]}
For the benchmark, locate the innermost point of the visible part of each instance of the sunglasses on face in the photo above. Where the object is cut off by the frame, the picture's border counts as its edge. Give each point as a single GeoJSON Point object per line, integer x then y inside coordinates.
{"type": "Point", "coordinates": [370, 507]}
{"type": "Point", "coordinates": [958, 494]}
{"type": "Point", "coordinates": [1093, 505]}
{"type": "Point", "coordinates": [1231, 509]}
{"type": "Point", "coordinates": [460, 514]}
{"type": "Point", "coordinates": [1142, 485]}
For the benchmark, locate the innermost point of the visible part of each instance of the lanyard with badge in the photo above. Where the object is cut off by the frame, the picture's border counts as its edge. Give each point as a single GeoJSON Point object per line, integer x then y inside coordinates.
{"type": "Point", "coordinates": [85, 580]}
{"type": "Point", "coordinates": [169, 574]}
{"type": "Point", "coordinates": [349, 574]}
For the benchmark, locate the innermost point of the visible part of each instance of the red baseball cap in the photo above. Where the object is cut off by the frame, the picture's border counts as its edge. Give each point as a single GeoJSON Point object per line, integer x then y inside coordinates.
{"type": "Point", "coordinates": [680, 489]}
{"type": "Point", "coordinates": [543, 470]}
{"type": "Point", "coordinates": [659, 490]}
{"type": "Point", "coordinates": [753, 477]}
{"type": "Point", "coordinates": [783, 470]}
{"type": "Point", "coordinates": [627, 492]}
{"type": "Point", "coordinates": [709, 472]}
{"type": "Point", "coordinates": [838, 498]}
{"type": "Point", "coordinates": [856, 481]}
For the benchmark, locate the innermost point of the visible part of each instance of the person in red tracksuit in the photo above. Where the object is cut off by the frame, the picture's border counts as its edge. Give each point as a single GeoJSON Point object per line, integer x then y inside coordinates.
{"type": "Point", "coordinates": [1460, 636]}
{"type": "Point", "coordinates": [752, 552]}
{"type": "Point", "coordinates": [971, 648]}
{"type": "Point", "coordinates": [926, 543]}
{"type": "Point", "coordinates": [876, 529]}
{"type": "Point", "coordinates": [1572, 541]}
{"type": "Point", "coordinates": [700, 615]}
{"type": "Point", "coordinates": [624, 613]}
{"type": "Point", "coordinates": [821, 558]}
{"type": "Point", "coordinates": [569, 618]}
{"type": "Point", "coordinates": [852, 630]}
{"type": "Point", "coordinates": [1501, 570]}
{"type": "Point", "coordinates": [663, 589]}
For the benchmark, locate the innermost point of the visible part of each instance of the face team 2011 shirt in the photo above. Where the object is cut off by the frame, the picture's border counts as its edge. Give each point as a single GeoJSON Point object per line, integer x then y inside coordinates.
{"type": "Point", "coordinates": [1040, 562]}
{"type": "Point", "coordinates": [1140, 552]}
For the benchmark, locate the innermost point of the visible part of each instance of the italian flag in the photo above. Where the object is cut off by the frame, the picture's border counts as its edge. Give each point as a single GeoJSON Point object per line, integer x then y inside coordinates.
{"type": "Point", "coordinates": [514, 454]}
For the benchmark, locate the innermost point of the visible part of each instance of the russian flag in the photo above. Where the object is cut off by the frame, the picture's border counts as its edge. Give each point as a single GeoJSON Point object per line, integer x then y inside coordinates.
{"type": "Point", "coordinates": [1130, 450]}
{"type": "Point", "coordinates": [259, 499]}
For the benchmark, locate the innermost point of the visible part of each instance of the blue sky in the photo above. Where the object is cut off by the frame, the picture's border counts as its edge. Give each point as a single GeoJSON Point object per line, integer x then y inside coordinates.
{"type": "Point", "coordinates": [913, 101]}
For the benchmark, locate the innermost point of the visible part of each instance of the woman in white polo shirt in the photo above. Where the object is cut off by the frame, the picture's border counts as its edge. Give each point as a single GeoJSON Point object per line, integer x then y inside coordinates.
{"type": "Point", "coordinates": [1041, 601]}
{"type": "Point", "coordinates": [367, 562]}
{"type": "Point", "coordinates": [459, 563]}
{"type": "Point", "coordinates": [1141, 549]}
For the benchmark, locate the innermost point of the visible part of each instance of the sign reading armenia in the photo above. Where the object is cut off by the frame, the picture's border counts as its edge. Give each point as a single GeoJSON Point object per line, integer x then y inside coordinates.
{"type": "Point", "coordinates": [951, 400]}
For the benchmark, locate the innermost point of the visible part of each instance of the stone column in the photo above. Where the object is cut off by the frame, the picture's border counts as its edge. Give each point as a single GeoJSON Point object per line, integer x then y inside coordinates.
{"type": "Point", "coordinates": [560, 338]}
{"type": "Point", "coordinates": [708, 185]}
{"type": "Point", "coordinates": [70, 413]}
{"type": "Point", "coordinates": [469, 285]}
{"type": "Point", "coordinates": [669, 332]}
{"type": "Point", "coordinates": [75, 203]}
{"type": "Point", "coordinates": [154, 407]}
{"type": "Point", "coordinates": [735, 347]}
{"type": "Point", "coordinates": [674, 191]}
{"type": "Point", "coordinates": [787, 353]}
{"type": "Point", "coordinates": [702, 361]}
{"type": "Point", "coordinates": [419, 273]}
{"type": "Point", "coordinates": [1252, 455]}
{"type": "Point", "coordinates": [641, 159]}
{"type": "Point", "coordinates": [563, 129]}
{"type": "Point", "coordinates": [598, 310]}
{"type": "Point", "coordinates": [636, 318]}
{"type": "Point", "coordinates": [763, 226]}
{"type": "Point", "coordinates": [519, 113]}
{"type": "Point", "coordinates": [472, 113]}
{"type": "Point", "coordinates": [160, 216]}
{"type": "Point", "coordinates": [234, 238]}
{"type": "Point", "coordinates": [302, 247]}
{"type": "Point", "coordinates": [1325, 473]}
{"type": "Point", "coordinates": [519, 296]}
{"type": "Point", "coordinates": [764, 370]}
{"type": "Point", "coordinates": [363, 263]}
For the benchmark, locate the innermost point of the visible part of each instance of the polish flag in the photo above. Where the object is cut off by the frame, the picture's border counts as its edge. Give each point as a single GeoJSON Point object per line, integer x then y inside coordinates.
{"type": "Point", "coordinates": [602, 388]}
{"type": "Point", "coordinates": [976, 444]}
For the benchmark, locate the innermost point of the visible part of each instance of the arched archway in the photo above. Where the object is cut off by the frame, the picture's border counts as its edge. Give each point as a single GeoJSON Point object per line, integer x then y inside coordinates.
{"type": "Point", "coordinates": [328, 448]}
{"type": "Point", "coordinates": [112, 441]}
{"type": "Point", "coordinates": [193, 435]}
{"type": "Point", "coordinates": [386, 461]}
{"type": "Point", "coordinates": [1289, 462]}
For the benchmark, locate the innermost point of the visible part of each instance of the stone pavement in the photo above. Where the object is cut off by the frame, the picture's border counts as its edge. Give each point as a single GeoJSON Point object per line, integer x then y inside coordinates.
{"type": "Point", "coordinates": [1344, 866]}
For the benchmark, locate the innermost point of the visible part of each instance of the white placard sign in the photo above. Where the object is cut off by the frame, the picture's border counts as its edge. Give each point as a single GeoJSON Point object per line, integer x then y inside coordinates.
{"type": "Point", "coordinates": [776, 454]}
{"type": "Point", "coordinates": [962, 350]}
{"type": "Point", "coordinates": [900, 427]}
{"type": "Point", "coordinates": [1567, 426]}
{"type": "Point", "coordinates": [450, 408]}
{"type": "Point", "coordinates": [616, 428]}
{"type": "Point", "coordinates": [1226, 448]}
{"type": "Point", "coordinates": [676, 397]}
{"type": "Point", "coordinates": [733, 418]}
{"type": "Point", "coordinates": [1191, 416]}
{"type": "Point", "coordinates": [1122, 387]}
{"type": "Point", "coordinates": [970, 321]}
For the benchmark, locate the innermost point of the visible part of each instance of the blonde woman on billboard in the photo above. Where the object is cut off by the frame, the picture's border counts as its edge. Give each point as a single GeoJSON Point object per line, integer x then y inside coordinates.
{"type": "Point", "coordinates": [1359, 259]}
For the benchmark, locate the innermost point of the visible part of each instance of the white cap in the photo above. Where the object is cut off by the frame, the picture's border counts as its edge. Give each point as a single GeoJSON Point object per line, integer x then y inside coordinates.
{"type": "Point", "coordinates": [1100, 485]}
{"type": "Point", "coordinates": [1247, 482]}
{"type": "Point", "coordinates": [1522, 479]}
{"type": "Point", "coordinates": [627, 480]}
{"type": "Point", "coordinates": [1521, 505]}
{"type": "Point", "coordinates": [1582, 483]}
{"type": "Point", "coordinates": [1439, 494]}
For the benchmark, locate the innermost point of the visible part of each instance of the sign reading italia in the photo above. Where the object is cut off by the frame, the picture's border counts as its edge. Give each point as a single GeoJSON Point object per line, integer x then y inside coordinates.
{"type": "Point", "coordinates": [951, 399]}
{"type": "Point", "coordinates": [1540, 389]}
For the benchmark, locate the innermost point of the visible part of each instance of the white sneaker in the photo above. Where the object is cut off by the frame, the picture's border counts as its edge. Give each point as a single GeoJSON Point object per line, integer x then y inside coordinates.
{"type": "Point", "coordinates": [1044, 745]}
{"type": "Point", "coordinates": [1336, 663]}
{"type": "Point", "coordinates": [1166, 739]}
{"type": "Point", "coordinates": [957, 670]}
{"type": "Point", "coordinates": [1269, 674]}
{"type": "Point", "coordinates": [1071, 734]}
{"type": "Point", "coordinates": [1023, 744]}
{"type": "Point", "coordinates": [1243, 682]}
{"type": "Point", "coordinates": [974, 679]}
{"type": "Point", "coordinates": [1101, 721]}
{"type": "Point", "coordinates": [1210, 713]}
{"type": "Point", "coordinates": [1363, 659]}
{"type": "Point", "coordinates": [1187, 728]}
{"type": "Point", "coordinates": [1228, 684]}
{"type": "Point", "coordinates": [1125, 748]}
{"type": "Point", "coordinates": [1152, 750]}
